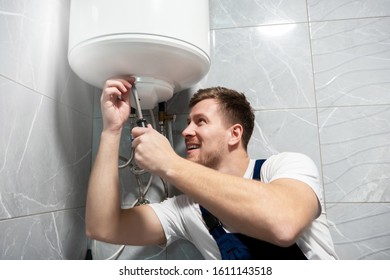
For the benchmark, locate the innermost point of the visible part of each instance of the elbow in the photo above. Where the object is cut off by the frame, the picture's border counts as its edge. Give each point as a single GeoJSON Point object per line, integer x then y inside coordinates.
{"type": "Point", "coordinates": [101, 229]}
{"type": "Point", "coordinates": [282, 235]}
{"type": "Point", "coordinates": [285, 236]}
{"type": "Point", "coordinates": [284, 241]}
{"type": "Point", "coordinates": [100, 233]}
{"type": "Point", "coordinates": [90, 229]}
{"type": "Point", "coordinates": [92, 234]}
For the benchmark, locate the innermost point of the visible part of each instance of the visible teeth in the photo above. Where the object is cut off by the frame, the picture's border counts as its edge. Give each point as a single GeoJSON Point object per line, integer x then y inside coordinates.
{"type": "Point", "coordinates": [191, 147]}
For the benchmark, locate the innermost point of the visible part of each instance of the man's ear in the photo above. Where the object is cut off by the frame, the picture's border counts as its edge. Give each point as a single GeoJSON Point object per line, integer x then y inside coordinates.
{"type": "Point", "coordinates": [236, 131]}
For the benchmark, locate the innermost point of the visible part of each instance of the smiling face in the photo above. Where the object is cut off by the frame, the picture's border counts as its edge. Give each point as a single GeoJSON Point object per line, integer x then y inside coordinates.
{"type": "Point", "coordinates": [207, 134]}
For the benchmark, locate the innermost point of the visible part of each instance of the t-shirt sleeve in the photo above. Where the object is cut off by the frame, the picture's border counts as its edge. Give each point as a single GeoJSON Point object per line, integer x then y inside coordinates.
{"type": "Point", "coordinates": [170, 218]}
{"type": "Point", "coordinates": [295, 166]}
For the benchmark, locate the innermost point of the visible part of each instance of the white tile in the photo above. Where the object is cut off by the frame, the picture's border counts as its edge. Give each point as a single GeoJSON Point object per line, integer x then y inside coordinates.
{"type": "Point", "coordinates": [45, 153]}
{"type": "Point", "coordinates": [271, 65]}
{"type": "Point", "coordinates": [50, 236]}
{"type": "Point", "coordinates": [360, 231]}
{"type": "Point", "coordinates": [346, 9]}
{"type": "Point", "coordinates": [293, 130]}
{"type": "Point", "coordinates": [229, 13]}
{"type": "Point", "coordinates": [355, 147]}
{"type": "Point", "coordinates": [34, 47]}
{"type": "Point", "coordinates": [352, 62]}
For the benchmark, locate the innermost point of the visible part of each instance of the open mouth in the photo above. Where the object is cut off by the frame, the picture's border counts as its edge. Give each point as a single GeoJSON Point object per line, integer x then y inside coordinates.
{"type": "Point", "coordinates": [192, 147]}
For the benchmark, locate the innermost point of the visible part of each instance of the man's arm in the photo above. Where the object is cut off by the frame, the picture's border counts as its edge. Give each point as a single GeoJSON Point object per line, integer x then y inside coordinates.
{"type": "Point", "coordinates": [105, 220]}
{"type": "Point", "coordinates": [277, 212]}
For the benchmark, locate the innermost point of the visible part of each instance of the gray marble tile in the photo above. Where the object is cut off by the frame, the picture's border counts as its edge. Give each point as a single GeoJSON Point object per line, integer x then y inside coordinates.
{"type": "Point", "coordinates": [346, 9]}
{"type": "Point", "coordinates": [270, 64]}
{"type": "Point", "coordinates": [33, 51]}
{"type": "Point", "coordinates": [37, 24]}
{"type": "Point", "coordinates": [51, 236]}
{"type": "Point", "coordinates": [75, 94]}
{"type": "Point", "coordinates": [45, 153]}
{"type": "Point", "coordinates": [360, 231]}
{"type": "Point", "coordinates": [293, 130]}
{"type": "Point", "coordinates": [352, 62]}
{"type": "Point", "coordinates": [96, 103]}
{"type": "Point", "coordinates": [229, 13]}
{"type": "Point", "coordinates": [355, 147]}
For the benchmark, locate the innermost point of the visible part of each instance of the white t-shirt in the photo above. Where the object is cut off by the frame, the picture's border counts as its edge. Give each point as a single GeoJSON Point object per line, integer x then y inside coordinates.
{"type": "Point", "coordinates": [180, 216]}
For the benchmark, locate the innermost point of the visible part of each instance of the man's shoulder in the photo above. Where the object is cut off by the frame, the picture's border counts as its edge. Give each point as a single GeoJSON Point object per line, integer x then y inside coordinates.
{"type": "Point", "coordinates": [288, 163]}
{"type": "Point", "coordinates": [289, 157]}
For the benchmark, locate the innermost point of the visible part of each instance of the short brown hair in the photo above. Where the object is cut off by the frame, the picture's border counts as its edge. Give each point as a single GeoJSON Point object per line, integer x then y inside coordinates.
{"type": "Point", "coordinates": [234, 106]}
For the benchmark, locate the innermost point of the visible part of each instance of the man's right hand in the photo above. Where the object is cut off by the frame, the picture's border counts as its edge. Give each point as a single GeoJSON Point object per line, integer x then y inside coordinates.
{"type": "Point", "coordinates": [115, 103]}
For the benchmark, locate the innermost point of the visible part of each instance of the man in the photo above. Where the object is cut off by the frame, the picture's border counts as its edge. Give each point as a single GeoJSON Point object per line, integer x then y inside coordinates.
{"type": "Point", "coordinates": [284, 208]}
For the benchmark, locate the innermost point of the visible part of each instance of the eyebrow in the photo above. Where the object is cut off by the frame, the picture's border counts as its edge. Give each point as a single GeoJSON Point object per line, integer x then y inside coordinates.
{"type": "Point", "coordinates": [196, 116]}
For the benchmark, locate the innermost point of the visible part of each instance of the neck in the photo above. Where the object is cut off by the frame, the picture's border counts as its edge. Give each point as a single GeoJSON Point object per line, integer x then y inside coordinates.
{"type": "Point", "coordinates": [235, 164]}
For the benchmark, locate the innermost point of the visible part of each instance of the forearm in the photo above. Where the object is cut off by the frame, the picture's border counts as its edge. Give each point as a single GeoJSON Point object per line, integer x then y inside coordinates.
{"type": "Point", "coordinates": [103, 199]}
{"type": "Point", "coordinates": [253, 208]}
{"type": "Point", "coordinates": [220, 193]}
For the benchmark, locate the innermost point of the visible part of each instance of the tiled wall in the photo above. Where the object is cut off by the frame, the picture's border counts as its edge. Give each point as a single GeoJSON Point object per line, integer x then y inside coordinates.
{"type": "Point", "coordinates": [45, 135]}
{"type": "Point", "coordinates": [318, 74]}
{"type": "Point", "coordinates": [321, 84]}
{"type": "Point", "coordinates": [320, 80]}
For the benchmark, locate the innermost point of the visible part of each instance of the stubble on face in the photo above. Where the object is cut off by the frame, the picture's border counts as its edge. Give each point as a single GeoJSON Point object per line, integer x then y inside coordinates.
{"type": "Point", "coordinates": [211, 159]}
{"type": "Point", "coordinates": [212, 141]}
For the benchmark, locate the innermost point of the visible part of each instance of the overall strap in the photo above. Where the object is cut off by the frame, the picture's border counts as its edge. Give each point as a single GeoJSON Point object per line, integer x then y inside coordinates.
{"type": "Point", "coordinates": [256, 170]}
{"type": "Point", "coordinates": [211, 221]}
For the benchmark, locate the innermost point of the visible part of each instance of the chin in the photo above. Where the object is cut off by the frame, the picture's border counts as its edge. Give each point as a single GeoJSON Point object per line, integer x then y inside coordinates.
{"type": "Point", "coordinates": [192, 158]}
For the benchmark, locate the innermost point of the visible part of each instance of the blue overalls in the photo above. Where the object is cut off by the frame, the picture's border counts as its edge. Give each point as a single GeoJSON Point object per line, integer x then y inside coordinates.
{"type": "Point", "coordinates": [236, 246]}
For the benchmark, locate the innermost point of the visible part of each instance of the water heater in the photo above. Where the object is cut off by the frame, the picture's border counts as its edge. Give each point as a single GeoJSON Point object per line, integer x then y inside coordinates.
{"type": "Point", "coordinates": [163, 43]}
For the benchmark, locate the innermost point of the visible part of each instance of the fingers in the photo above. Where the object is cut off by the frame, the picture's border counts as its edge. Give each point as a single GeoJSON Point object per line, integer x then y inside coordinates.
{"type": "Point", "coordinates": [138, 131]}
{"type": "Point", "coordinates": [151, 149]}
{"type": "Point", "coordinates": [143, 144]}
{"type": "Point", "coordinates": [117, 88]}
{"type": "Point", "coordinates": [125, 81]}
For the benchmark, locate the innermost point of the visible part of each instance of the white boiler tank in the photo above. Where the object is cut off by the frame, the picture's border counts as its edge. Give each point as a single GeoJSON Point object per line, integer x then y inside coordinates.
{"type": "Point", "coordinates": [164, 43]}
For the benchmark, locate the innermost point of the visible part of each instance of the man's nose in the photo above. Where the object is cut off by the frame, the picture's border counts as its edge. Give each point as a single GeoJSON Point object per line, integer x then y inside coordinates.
{"type": "Point", "coordinates": [188, 131]}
